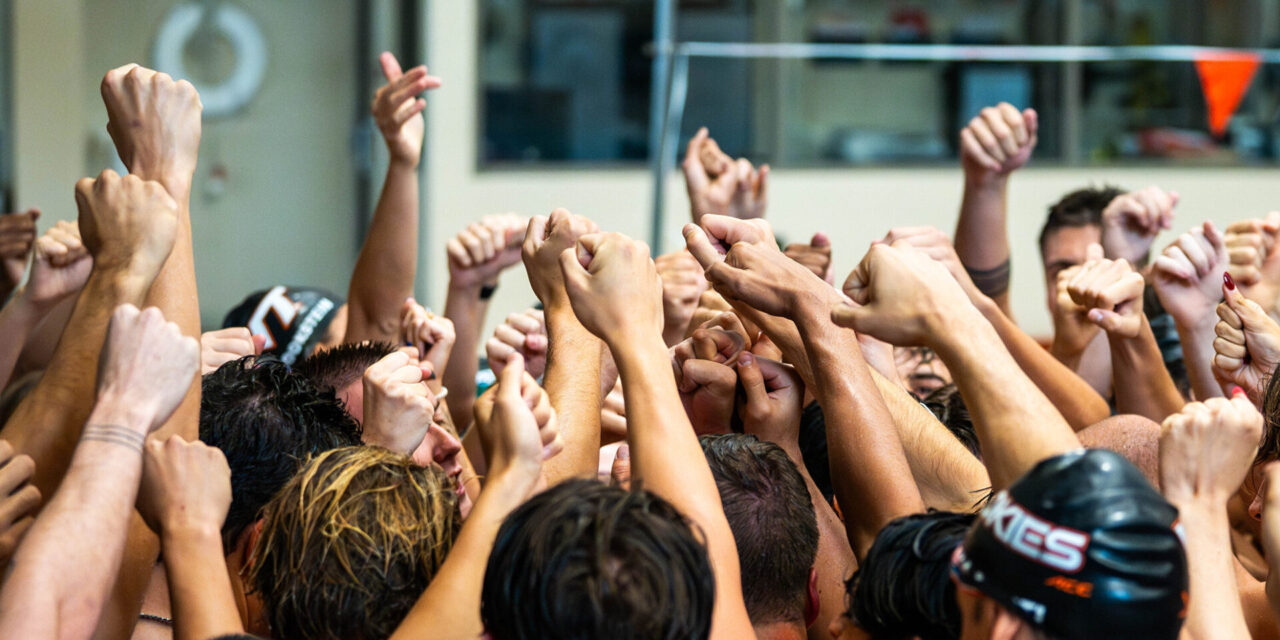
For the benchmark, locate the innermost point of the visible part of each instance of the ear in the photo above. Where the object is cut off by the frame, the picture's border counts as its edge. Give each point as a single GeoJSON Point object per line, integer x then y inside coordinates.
{"type": "Point", "coordinates": [248, 542]}
{"type": "Point", "coordinates": [811, 603]}
{"type": "Point", "coordinates": [1005, 625]}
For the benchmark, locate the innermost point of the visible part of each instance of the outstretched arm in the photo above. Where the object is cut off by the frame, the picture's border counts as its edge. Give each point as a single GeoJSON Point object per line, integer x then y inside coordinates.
{"type": "Point", "coordinates": [1188, 278]}
{"type": "Point", "coordinates": [63, 571]}
{"type": "Point", "coordinates": [388, 261]}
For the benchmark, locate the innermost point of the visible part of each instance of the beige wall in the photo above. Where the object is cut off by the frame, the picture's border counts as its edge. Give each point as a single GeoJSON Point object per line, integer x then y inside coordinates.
{"type": "Point", "coordinates": [288, 216]}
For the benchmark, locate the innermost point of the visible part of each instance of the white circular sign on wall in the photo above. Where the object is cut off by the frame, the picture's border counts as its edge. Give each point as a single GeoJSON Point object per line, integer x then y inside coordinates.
{"type": "Point", "coordinates": [247, 44]}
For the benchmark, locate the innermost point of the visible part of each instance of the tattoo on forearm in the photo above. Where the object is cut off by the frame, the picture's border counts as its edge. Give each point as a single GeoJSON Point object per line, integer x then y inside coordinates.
{"type": "Point", "coordinates": [114, 434]}
{"type": "Point", "coordinates": [992, 282]}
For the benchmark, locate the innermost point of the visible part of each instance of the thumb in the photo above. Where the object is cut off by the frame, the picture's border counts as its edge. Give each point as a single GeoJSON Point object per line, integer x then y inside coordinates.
{"type": "Point", "coordinates": [752, 380]}
{"type": "Point", "coordinates": [820, 241]}
{"type": "Point", "coordinates": [620, 474]}
{"type": "Point", "coordinates": [858, 318]}
{"type": "Point", "coordinates": [700, 246]}
{"type": "Point", "coordinates": [1107, 319]}
{"type": "Point", "coordinates": [511, 377]}
{"type": "Point", "coordinates": [576, 278]}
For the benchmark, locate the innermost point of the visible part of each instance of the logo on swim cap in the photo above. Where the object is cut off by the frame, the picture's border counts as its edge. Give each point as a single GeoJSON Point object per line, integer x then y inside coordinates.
{"type": "Point", "coordinates": [1057, 547]}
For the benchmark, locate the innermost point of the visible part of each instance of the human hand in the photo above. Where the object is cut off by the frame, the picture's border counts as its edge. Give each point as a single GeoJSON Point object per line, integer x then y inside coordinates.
{"type": "Point", "coordinates": [774, 401]}
{"type": "Point", "coordinates": [614, 289]}
{"type": "Point", "coordinates": [1189, 274]}
{"type": "Point", "coordinates": [520, 430]}
{"type": "Point", "coordinates": [1131, 222]}
{"type": "Point", "coordinates": [398, 405]}
{"type": "Point", "coordinates": [398, 111]}
{"type": "Point", "coordinates": [224, 345]}
{"type": "Point", "coordinates": [613, 415]}
{"type": "Point", "coordinates": [17, 235]}
{"type": "Point", "coordinates": [1207, 449]}
{"type": "Point", "coordinates": [60, 268]}
{"type": "Point", "coordinates": [707, 389]}
{"type": "Point", "coordinates": [729, 188]}
{"type": "Point", "coordinates": [682, 285]}
{"type": "Point", "coordinates": [430, 334]}
{"type": "Point", "coordinates": [1254, 258]}
{"type": "Point", "coordinates": [759, 275]}
{"type": "Point", "coordinates": [524, 332]}
{"type": "Point", "coordinates": [937, 245]}
{"type": "Point", "coordinates": [483, 250]}
{"type": "Point", "coordinates": [902, 296]}
{"type": "Point", "coordinates": [1247, 349]}
{"type": "Point", "coordinates": [146, 366]}
{"type": "Point", "coordinates": [1072, 329]}
{"type": "Point", "coordinates": [155, 125]}
{"type": "Point", "coordinates": [127, 224]}
{"type": "Point", "coordinates": [816, 256]}
{"type": "Point", "coordinates": [186, 486]}
{"type": "Point", "coordinates": [545, 240]}
{"type": "Point", "coordinates": [1110, 292]}
{"type": "Point", "coordinates": [998, 141]}
{"type": "Point", "coordinates": [19, 499]}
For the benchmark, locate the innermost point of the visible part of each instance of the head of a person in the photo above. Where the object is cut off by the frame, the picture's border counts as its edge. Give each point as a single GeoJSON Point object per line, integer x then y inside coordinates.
{"type": "Point", "coordinates": [1082, 546]}
{"type": "Point", "coordinates": [341, 370]}
{"type": "Point", "coordinates": [921, 369]}
{"type": "Point", "coordinates": [350, 543]}
{"type": "Point", "coordinates": [1074, 223]}
{"type": "Point", "coordinates": [587, 560]}
{"type": "Point", "coordinates": [266, 420]}
{"type": "Point", "coordinates": [947, 405]}
{"type": "Point", "coordinates": [769, 510]}
{"type": "Point", "coordinates": [902, 588]}
{"type": "Point", "coordinates": [293, 321]}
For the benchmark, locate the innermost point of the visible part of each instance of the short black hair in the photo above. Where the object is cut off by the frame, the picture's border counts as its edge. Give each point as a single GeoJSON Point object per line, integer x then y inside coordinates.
{"type": "Point", "coordinates": [947, 405]}
{"type": "Point", "coordinates": [813, 448]}
{"type": "Point", "coordinates": [339, 366]}
{"type": "Point", "coordinates": [769, 510]}
{"type": "Point", "coordinates": [1080, 208]}
{"type": "Point", "coordinates": [587, 560]}
{"type": "Point", "coordinates": [903, 587]}
{"type": "Point", "coordinates": [266, 420]}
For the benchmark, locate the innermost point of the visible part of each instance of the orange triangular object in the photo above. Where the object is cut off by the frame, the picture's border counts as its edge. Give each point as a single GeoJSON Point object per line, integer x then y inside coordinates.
{"type": "Point", "coordinates": [1225, 79]}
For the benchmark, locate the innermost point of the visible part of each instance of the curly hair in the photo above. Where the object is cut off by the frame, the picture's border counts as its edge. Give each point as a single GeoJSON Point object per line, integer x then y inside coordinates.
{"type": "Point", "coordinates": [586, 560]}
{"type": "Point", "coordinates": [351, 542]}
{"type": "Point", "coordinates": [266, 420]}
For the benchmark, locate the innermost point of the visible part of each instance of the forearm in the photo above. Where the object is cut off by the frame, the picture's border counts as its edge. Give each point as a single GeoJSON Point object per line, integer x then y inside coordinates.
{"type": "Point", "coordinates": [1197, 355]}
{"type": "Point", "coordinates": [64, 569]}
{"type": "Point", "coordinates": [452, 600]}
{"type": "Point", "coordinates": [467, 310]}
{"type": "Point", "coordinates": [1017, 425]}
{"type": "Point", "coordinates": [1142, 383]}
{"type": "Point", "coordinates": [982, 239]}
{"type": "Point", "coordinates": [667, 459]}
{"type": "Point", "coordinates": [388, 261]}
{"type": "Point", "coordinates": [17, 320]}
{"type": "Point", "coordinates": [1077, 402]}
{"type": "Point", "coordinates": [199, 587]}
{"type": "Point", "coordinates": [572, 382]}
{"type": "Point", "coordinates": [47, 425]}
{"type": "Point", "coordinates": [1214, 610]}
{"type": "Point", "coordinates": [948, 476]}
{"type": "Point", "coordinates": [868, 464]}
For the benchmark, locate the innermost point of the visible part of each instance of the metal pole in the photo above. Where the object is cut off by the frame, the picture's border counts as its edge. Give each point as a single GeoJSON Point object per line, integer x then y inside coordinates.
{"type": "Point", "coordinates": [663, 45]}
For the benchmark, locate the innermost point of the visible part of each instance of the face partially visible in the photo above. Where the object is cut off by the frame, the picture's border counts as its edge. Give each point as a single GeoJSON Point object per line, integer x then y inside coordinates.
{"type": "Point", "coordinates": [1063, 249]}
{"type": "Point", "coordinates": [922, 370]}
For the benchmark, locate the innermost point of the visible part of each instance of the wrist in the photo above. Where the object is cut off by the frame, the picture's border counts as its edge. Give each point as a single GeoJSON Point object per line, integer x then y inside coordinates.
{"type": "Point", "coordinates": [115, 409]}
{"type": "Point", "coordinates": [183, 532]}
{"type": "Point", "coordinates": [402, 164]}
{"type": "Point", "coordinates": [27, 312]}
{"type": "Point", "coordinates": [984, 180]}
{"type": "Point", "coordinates": [957, 334]}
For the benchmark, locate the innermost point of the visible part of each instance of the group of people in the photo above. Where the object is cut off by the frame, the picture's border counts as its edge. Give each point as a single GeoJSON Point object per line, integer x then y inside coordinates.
{"type": "Point", "coordinates": [717, 442]}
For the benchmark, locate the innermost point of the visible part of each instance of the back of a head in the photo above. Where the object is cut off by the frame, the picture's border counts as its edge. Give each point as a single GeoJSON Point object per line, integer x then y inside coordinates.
{"type": "Point", "coordinates": [1079, 208]}
{"type": "Point", "coordinates": [351, 542]}
{"type": "Point", "coordinates": [947, 405]}
{"type": "Point", "coordinates": [266, 420]}
{"type": "Point", "coordinates": [1081, 546]}
{"type": "Point", "coordinates": [584, 560]}
{"type": "Point", "coordinates": [339, 366]}
{"type": "Point", "coordinates": [903, 588]}
{"type": "Point", "coordinates": [769, 510]}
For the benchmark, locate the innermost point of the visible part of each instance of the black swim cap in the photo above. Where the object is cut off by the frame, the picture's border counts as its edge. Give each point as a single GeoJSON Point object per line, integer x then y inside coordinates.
{"type": "Point", "coordinates": [292, 319]}
{"type": "Point", "coordinates": [1082, 546]}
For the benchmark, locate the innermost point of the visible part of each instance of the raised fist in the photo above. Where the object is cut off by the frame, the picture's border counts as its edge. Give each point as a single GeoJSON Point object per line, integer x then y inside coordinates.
{"type": "Point", "coordinates": [185, 486]}
{"type": "Point", "coordinates": [126, 223]}
{"type": "Point", "coordinates": [146, 364]}
{"type": "Point", "coordinates": [719, 185]}
{"type": "Point", "coordinates": [1132, 220]}
{"type": "Point", "coordinates": [17, 235]}
{"type": "Point", "coordinates": [1207, 449]}
{"type": "Point", "coordinates": [1188, 276]}
{"type": "Point", "coordinates": [545, 240]}
{"type": "Point", "coordinates": [524, 333]}
{"type": "Point", "coordinates": [61, 266]}
{"type": "Point", "coordinates": [1110, 292]}
{"type": "Point", "coordinates": [432, 335]}
{"type": "Point", "coordinates": [998, 141]}
{"type": "Point", "coordinates": [614, 288]}
{"type": "Point", "coordinates": [485, 249]}
{"type": "Point", "coordinates": [224, 345]}
{"type": "Point", "coordinates": [155, 124]}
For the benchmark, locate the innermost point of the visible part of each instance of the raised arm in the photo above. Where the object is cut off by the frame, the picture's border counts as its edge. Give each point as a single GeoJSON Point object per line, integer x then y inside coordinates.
{"type": "Point", "coordinates": [573, 353]}
{"type": "Point", "coordinates": [1188, 279]}
{"type": "Point", "coordinates": [17, 236]}
{"type": "Point", "coordinates": [1111, 292]}
{"type": "Point", "coordinates": [63, 572]}
{"type": "Point", "coordinates": [717, 184]}
{"type": "Point", "coordinates": [997, 142]}
{"type": "Point", "coordinates": [903, 297]}
{"type": "Point", "coordinates": [1206, 451]}
{"type": "Point", "coordinates": [388, 261]}
{"type": "Point", "coordinates": [617, 296]}
{"type": "Point", "coordinates": [1247, 349]}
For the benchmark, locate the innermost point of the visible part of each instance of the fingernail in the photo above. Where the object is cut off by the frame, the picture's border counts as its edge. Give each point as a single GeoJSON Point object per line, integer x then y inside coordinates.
{"type": "Point", "coordinates": [1230, 282]}
{"type": "Point", "coordinates": [429, 374]}
{"type": "Point", "coordinates": [1237, 392]}
{"type": "Point", "coordinates": [745, 359]}
{"type": "Point", "coordinates": [1095, 315]}
{"type": "Point", "coordinates": [624, 452]}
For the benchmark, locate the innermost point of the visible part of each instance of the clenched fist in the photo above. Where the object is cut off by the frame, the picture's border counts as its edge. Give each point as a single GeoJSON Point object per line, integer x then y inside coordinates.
{"type": "Point", "coordinates": [126, 223]}
{"type": "Point", "coordinates": [155, 124]}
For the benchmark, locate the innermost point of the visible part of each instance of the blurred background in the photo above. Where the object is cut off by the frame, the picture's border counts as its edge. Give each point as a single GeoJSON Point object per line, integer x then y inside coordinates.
{"type": "Point", "coordinates": [546, 103]}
